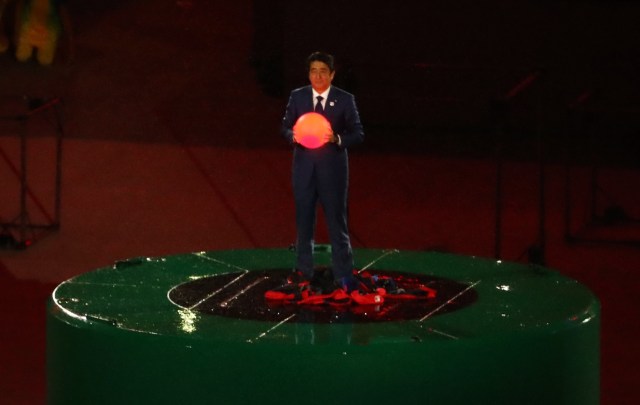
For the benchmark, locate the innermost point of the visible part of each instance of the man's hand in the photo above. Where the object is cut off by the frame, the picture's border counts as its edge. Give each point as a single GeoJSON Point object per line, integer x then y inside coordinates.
{"type": "Point", "coordinates": [331, 137]}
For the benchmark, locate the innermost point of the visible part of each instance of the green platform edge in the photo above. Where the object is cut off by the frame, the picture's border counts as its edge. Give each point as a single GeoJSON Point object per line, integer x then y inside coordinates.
{"type": "Point", "coordinates": [113, 336]}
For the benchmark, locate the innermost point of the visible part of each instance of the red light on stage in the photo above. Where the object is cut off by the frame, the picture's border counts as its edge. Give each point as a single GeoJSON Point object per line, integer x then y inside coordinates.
{"type": "Point", "coordinates": [310, 130]}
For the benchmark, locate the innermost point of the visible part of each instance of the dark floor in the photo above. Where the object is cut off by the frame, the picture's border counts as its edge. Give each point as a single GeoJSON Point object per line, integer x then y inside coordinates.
{"type": "Point", "coordinates": [171, 147]}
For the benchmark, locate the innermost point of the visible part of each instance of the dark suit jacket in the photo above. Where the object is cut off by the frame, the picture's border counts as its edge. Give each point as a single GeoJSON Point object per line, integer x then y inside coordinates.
{"type": "Point", "coordinates": [340, 110]}
{"type": "Point", "coordinates": [326, 166]}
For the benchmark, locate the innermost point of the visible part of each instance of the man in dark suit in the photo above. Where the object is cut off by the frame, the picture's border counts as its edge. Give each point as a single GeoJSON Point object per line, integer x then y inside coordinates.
{"type": "Point", "coordinates": [322, 174]}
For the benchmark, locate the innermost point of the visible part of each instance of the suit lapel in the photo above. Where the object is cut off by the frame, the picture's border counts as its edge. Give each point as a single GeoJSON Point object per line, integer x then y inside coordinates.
{"type": "Point", "coordinates": [308, 99]}
{"type": "Point", "coordinates": [331, 104]}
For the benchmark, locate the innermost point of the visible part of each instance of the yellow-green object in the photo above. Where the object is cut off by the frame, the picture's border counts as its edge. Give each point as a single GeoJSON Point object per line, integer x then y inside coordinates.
{"type": "Point", "coordinates": [118, 335]}
{"type": "Point", "coordinates": [39, 28]}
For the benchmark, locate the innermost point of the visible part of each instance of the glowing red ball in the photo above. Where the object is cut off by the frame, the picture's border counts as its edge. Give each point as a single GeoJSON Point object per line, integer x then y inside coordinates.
{"type": "Point", "coordinates": [310, 130]}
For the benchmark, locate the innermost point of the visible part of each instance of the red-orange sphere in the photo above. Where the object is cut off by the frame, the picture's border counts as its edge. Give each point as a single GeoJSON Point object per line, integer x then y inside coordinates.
{"type": "Point", "coordinates": [310, 130]}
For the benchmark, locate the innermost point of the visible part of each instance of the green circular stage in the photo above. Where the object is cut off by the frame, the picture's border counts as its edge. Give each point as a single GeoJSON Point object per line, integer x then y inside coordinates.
{"type": "Point", "coordinates": [195, 328]}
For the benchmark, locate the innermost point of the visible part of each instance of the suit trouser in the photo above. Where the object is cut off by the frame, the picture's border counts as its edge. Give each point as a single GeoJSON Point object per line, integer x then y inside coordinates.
{"type": "Point", "coordinates": [322, 175]}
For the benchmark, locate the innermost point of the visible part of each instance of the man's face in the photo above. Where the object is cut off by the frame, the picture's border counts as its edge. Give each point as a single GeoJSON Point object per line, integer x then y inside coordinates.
{"type": "Point", "coordinates": [320, 76]}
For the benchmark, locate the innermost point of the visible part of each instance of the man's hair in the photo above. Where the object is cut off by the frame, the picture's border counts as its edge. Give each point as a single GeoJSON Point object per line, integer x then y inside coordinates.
{"type": "Point", "coordinates": [320, 57]}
